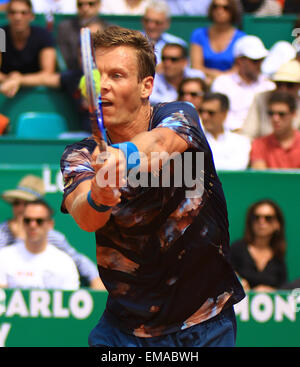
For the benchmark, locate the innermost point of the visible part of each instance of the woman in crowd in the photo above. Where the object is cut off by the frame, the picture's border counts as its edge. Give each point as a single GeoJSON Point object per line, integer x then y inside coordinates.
{"type": "Point", "coordinates": [212, 47]}
{"type": "Point", "coordinates": [259, 258]}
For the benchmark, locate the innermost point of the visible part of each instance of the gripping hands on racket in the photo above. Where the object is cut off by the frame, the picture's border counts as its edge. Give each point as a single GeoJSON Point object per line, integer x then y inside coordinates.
{"type": "Point", "coordinates": [110, 164]}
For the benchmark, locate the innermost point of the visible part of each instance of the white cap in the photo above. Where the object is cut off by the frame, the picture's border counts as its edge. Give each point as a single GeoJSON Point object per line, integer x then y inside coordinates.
{"type": "Point", "coordinates": [280, 53]}
{"type": "Point", "coordinates": [251, 47]}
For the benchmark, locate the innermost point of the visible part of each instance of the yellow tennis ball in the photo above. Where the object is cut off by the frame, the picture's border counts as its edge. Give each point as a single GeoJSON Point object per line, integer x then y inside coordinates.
{"type": "Point", "coordinates": [97, 78]}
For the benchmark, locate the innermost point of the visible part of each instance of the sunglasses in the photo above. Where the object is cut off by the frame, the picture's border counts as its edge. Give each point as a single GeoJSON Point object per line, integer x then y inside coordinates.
{"type": "Point", "coordinates": [22, 12]}
{"type": "Point", "coordinates": [279, 113]}
{"type": "Point", "coordinates": [18, 202]}
{"type": "Point", "coordinates": [216, 6]}
{"type": "Point", "coordinates": [149, 20]}
{"type": "Point", "coordinates": [209, 112]}
{"type": "Point", "coordinates": [192, 94]}
{"type": "Point", "coordinates": [89, 3]}
{"type": "Point", "coordinates": [39, 221]}
{"type": "Point", "coordinates": [173, 59]}
{"type": "Point", "coordinates": [267, 218]}
{"type": "Point", "coordinates": [288, 85]}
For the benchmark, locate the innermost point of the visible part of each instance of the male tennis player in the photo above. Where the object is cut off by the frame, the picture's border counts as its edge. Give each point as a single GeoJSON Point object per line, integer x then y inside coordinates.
{"type": "Point", "coordinates": [162, 250]}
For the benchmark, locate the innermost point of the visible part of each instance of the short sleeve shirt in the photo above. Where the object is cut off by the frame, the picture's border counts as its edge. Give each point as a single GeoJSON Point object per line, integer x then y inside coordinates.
{"type": "Point", "coordinates": [223, 60]}
{"type": "Point", "coordinates": [26, 60]}
{"type": "Point", "coordinates": [268, 149]}
{"type": "Point", "coordinates": [163, 254]}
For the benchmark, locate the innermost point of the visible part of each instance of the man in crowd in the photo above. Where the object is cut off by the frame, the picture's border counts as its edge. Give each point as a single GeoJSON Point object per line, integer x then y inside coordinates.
{"type": "Point", "coordinates": [230, 150]}
{"type": "Point", "coordinates": [32, 188]}
{"type": "Point", "coordinates": [242, 85]}
{"type": "Point", "coordinates": [156, 21]}
{"type": "Point", "coordinates": [35, 263]}
{"type": "Point", "coordinates": [174, 70]}
{"type": "Point", "coordinates": [281, 148]}
{"type": "Point", "coordinates": [30, 50]}
{"type": "Point", "coordinates": [68, 33]}
{"type": "Point", "coordinates": [286, 79]}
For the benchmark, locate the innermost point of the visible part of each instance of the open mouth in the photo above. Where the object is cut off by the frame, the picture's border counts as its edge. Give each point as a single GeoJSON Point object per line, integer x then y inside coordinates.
{"type": "Point", "coordinates": [106, 104]}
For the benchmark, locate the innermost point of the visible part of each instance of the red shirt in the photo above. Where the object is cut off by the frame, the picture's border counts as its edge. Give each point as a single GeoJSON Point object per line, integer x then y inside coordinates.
{"type": "Point", "coordinates": [268, 149]}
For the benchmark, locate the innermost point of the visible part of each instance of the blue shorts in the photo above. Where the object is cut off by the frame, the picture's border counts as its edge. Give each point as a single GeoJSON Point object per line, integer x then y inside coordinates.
{"type": "Point", "coordinates": [219, 331]}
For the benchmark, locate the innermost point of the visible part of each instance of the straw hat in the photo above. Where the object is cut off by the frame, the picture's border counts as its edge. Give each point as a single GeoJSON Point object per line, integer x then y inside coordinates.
{"type": "Point", "coordinates": [288, 72]}
{"type": "Point", "coordinates": [29, 188]}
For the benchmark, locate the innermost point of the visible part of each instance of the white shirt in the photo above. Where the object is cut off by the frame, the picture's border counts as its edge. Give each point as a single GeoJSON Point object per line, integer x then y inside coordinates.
{"type": "Point", "coordinates": [120, 7]}
{"type": "Point", "coordinates": [230, 150]}
{"type": "Point", "coordinates": [240, 96]}
{"type": "Point", "coordinates": [165, 92]}
{"type": "Point", "coordinates": [189, 7]}
{"type": "Point", "coordinates": [50, 269]}
{"type": "Point", "coordinates": [54, 6]}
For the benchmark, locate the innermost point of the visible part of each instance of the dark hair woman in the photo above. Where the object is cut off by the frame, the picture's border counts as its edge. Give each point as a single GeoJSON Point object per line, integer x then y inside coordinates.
{"type": "Point", "coordinates": [212, 47]}
{"type": "Point", "coordinates": [259, 258]}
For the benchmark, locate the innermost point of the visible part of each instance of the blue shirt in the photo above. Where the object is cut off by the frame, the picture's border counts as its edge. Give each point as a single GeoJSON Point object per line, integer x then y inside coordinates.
{"type": "Point", "coordinates": [223, 60]}
{"type": "Point", "coordinates": [163, 255]}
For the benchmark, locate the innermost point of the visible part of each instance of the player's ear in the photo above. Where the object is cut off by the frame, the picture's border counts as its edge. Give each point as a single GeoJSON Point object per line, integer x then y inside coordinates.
{"type": "Point", "coordinates": [147, 86]}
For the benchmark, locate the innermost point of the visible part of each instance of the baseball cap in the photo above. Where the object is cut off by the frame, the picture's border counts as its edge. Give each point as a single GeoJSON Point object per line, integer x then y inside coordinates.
{"type": "Point", "coordinates": [251, 47]}
{"type": "Point", "coordinates": [30, 188]}
{"type": "Point", "coordinates": [288, 72]}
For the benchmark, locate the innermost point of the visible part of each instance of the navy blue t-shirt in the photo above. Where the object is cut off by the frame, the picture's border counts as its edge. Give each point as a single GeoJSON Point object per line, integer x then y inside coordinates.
{"type": "Point", "coordinates": [163, 255]}
{"type": "Point", "coordinates": [26, 60]}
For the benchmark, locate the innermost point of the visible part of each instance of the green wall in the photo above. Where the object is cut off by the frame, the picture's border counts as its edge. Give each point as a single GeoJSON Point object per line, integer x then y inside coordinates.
{"type": "Point", "coordinates": [241, 189]}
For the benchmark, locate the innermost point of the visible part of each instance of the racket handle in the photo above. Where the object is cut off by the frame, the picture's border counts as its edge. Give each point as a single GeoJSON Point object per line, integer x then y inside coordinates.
{"type": "Point", "coordinates": [101, 158]}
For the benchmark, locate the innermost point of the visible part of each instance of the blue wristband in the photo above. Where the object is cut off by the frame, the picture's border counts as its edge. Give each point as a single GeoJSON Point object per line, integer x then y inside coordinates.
{"type": "Point", "coordinates": [100, 208]}
{"type": "Point", "coordinates": [131, 153]}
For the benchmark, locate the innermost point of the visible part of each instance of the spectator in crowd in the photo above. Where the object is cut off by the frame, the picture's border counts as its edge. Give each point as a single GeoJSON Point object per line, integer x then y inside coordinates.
{"type": "Point", "coordinates": [291, 7]}
{"type": "Point", "coordinates": [259, 257]}
{"type": "Point", "coordinates": [286, 79]}
{"type": "Point", "coordinates": [123, 7]}
{"type": "Point", "coordinates": [192, 90]}
{"type": "Point", "coordinates": [3, 5]}
{"type": "Point", "coordinates": [189, 7]}
{"type": "Point", "coordinates": [31, 188]}
{"type": "Point", "coordinates": [54, 6]}
{"type": "Point", "coordinates": [261, 7]}
{"type": "Point", "coordinates": [68, 32]}
{"type": "Point", "coordinates": [30, 50]}
{"type": "Point", "coordinates": [281, 149]}
{"type": "Point", "coordinates": [212, 47]}
{"type": "Point", "coordinates": [68, 81]}
{"type": "Point", "coordinates": [230, 150]}
{"type": "Point", "coordinates": [174, 70]}
{"type": "Point", "coordinates": [156, 21]}
{"type": "Point", "coordinates": [34, 262]}
{"type": "Point", "coordinates": [280, 53]}
{"type": "Point", "coordinates": [242, 85]}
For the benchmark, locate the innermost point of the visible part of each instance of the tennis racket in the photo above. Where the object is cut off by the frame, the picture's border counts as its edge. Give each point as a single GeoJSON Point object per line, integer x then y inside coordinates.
{"type": "Point", "coordinates": [93, 98]}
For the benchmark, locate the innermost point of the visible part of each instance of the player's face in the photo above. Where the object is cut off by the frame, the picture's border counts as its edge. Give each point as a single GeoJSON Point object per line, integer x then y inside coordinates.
{"type": "Point", "coordinates": [19, 16]}
{"type": "Point", "coordinates": [36, 223]}
{"type": "Point", "coordinates": [123, 95]}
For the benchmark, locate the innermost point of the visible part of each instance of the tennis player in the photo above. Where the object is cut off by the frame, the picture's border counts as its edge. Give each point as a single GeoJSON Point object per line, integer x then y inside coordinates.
{"type": "Point", "coordinates": [162, 250]}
